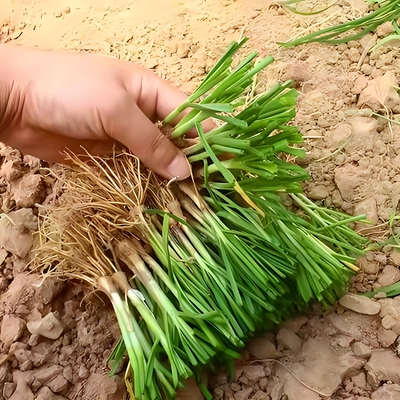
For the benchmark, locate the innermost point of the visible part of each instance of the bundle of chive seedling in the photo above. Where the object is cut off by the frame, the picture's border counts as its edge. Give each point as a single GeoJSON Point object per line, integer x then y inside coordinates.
{"type": "Point", "coordinates": [195, 268]}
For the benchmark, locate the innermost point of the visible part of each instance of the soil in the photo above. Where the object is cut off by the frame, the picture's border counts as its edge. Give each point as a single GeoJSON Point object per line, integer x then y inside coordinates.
{"type": "Point", "coordinates": [55, 336]}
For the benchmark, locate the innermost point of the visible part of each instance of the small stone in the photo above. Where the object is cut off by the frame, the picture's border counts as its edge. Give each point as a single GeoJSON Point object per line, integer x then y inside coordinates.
{"type": "Point", "coordinates": [45, 393]}
{"type": "Point", "coordinates": [254, 373]}
{"type": "Point", "coordinates": [29, 191]}
{"type": "Point", "coordinates": [380, 257]}
{"type": "Point", "coordinates": [386, 337]}
{"type": "Point", "coordinates": [15, 231]}
{"type": "Point", "coordinates": [388, 322]}
{"type": "Point", "coordinates": [243, 394]}
{"type": "Point", "coordinates": [318, 192]}
{"type": "Point", "coordinates": [351, 323]}
{"type": "Point", "coordinates": [45, 375]}
{"type": "Point", "coordinates": [49, 327]}
{"type": "Point", "coordinates": [395, 257]}
{"type": "Point", "coordinates": [22, 391]}
{"type": "Point", "coordinates": [26, 366]}
{"type": "Point", "coordinates": [360, 304]}
{"type": "Point", "coordinates": [12, 328]}
{"type": "Point", "coordinates": [4, 371]}
{"type": "Point", "coordinates": [384, 365]}
{"type": "Point", "coordinates": [390, 307]}
{"type": "Point", "coordinates": [3, 255]}
{"type": "Point", "coordinates": [389, 275]}
{"type": "Point", "coordinates": [359, 84]}
{"type": "Point", "coordinates": [8, 389]}
{"type": "Point", "coordinates": [261, 348]}
{"type": "Point", "coordinates": [343, 341]}
{"type": "Point", "coordinates": [58, 384]}
{"type": "Point", "coordinates": [396, 329]}
{"type": "Point", "coordinates": [387, 392]}
{"type": "Point", "coordinates": [361, 350]}
{"type": "Point", "coordinates": [384, 29]}
{"type": "Point", "coordinates": [67, 373]}
{"type": "Point", "coordinates": [35, 385]}
{"type": "Point", "coordinates": [83, 372]}
{"type": "Point", "coordinates": [235, 386]}
{"type": "Point", "coordinates": [380, 295]}
{"type": "Point", "coordinates": [263, 383]}
{"type": "Point", "coordinates": [289, 339]}
{"type": "Point", "coordinates": [260, 395]}
{"type": "Point", "coordinates": [33, 340]}
{"type": "Point", "coordinates": [359, 380]}
{"type": "Point", "coordinates": [380, 91]}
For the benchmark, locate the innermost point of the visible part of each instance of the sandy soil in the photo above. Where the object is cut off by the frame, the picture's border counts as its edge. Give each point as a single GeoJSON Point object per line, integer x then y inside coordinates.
{"type": "Point", "coordinates": [54, 343]}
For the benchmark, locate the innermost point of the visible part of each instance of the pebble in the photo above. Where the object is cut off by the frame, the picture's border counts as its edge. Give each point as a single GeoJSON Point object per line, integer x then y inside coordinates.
{"type": "Point", "coordinates": [387, 392]}
{"type": "Point", "coordinates": [49, 327]}
{"type": "Point", "coordinates": [390, 307]}
{"type": "Point", "coordinates": [318, 192]}
{"type": "Point", "coordinates": [395, 257]}
{"type": "Point", "coordinates": [386, 337]}
{"type": "Point", "coordinates": [46, 394]}
{"type": "Point", "coordinates": [12, 328]}
{"type": "Point", "coordinates": [29, 191]}
{"type": "Point", "coordinates": [8, 389]}
{"type": "Point", "coordinates": [343, 341]}
{"type": "Point", "coordinates": [58, 384]}
{"type": "Point", "coordinates": [260, 395]}
{"type": "Point", "coordinates": [351, 323]}
{"type": "Point", "coordinates": [26, 366]}
{"type": "Point", "coordinates": [362, 350]}
{"type": "Point", "coordinates": [22, 391]}
{"type": "Point", "coordinates": [360, 304]}
{"type": "Point", "coordinates": [261, 348]}
{"type": "Point", "coordinates": [263, 383]}
{"type": "Point", "coordinates": [384, 365]}
{"type": "Point", "coordinates": [45, 375]}
{"type": "Point", "coordinates": [389, 275]}
{"type": "Point", "coordinates": [359, 84]}
{"type": "Point", "coordinates": [368, 266]}
{"type": "Point", "coordinates": [35, 385]}
{"type": "Point", "coordinates": [388, 322]}
{"type": "Point", "coordinates": [3, 255]}
{"type": "Point", "coordinates": [396, 329]}
{"type": "Point", "coordinates": [254, 373]}
{"type": "Point", "coordinates": [243, 394]}
{"type": "Point", "coordinates": [289, 340]}
{"type": "Point", "coordinates": [359, 380]}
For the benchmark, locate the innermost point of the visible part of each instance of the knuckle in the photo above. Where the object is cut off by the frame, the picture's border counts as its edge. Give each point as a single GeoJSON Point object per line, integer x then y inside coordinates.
{"type": "Point", "coordinates": [159, 151]}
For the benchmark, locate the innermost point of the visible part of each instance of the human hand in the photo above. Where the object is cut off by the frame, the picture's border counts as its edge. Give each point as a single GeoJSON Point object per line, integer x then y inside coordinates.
{"type": "Point", "coordinates": [50, 102]}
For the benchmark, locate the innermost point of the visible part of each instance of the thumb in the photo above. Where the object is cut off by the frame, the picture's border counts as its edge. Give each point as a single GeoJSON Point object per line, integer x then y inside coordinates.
{"type": "Point", "coordinates": [133, 129]}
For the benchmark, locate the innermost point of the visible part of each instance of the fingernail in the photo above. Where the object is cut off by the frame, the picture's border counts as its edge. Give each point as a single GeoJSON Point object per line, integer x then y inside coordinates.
{"type": "Point", "coordinates": [179, 168]}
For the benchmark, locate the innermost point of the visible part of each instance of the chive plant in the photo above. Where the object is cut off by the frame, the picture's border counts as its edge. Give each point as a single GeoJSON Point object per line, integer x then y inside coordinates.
{"type": "Point", "coordinates": [195, 268]}
{"type": "Point", "coordinates": [387, 11]}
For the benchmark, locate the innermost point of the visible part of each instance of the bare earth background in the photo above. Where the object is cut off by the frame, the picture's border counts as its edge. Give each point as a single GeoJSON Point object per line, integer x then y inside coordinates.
{"type": "Point", "coordinates": [352, 156]}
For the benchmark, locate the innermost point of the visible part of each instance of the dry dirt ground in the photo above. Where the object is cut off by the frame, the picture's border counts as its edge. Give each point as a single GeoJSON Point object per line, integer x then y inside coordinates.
{"type": "Point", "coordinates": [54, 343]}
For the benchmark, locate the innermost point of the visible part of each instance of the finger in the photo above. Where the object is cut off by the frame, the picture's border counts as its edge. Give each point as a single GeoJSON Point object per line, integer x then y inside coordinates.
{"type": "Point", "coordinates": [157, 98]}
{"type": "Point", "coordinates": [133, 129]}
